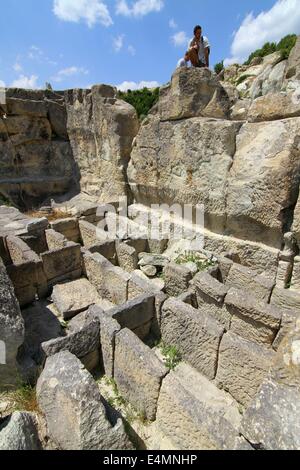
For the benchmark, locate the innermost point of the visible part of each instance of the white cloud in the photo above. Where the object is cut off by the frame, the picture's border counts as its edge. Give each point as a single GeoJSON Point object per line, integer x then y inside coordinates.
{"type": "Point", "coordinates": [271, 25]}
{"type": "Point", "coordinates": [17, 67]}
{"type": "Point", "coordinates": [179, 39]}
{"type": "Point", "coordinates": [138, 8]}
{"type": "Point", "coordinates": [137, 86]}
{"type": "Point", "coordinates": [37, 54]}
{"type": "Point", "coordinates": [131, 50]}
{"type": "Point", "coordinates": [69, 72]}
{"type": "Point", "coordinates": [25, 82]}
{"type": "Point", "coordinates": [118, 43]}
{"type": "Point", "coordinates": [173, 24]}
{"type": "Point", "coordinates": [2, 84]}
{"type": "Point", "coordinates": [89, 11]}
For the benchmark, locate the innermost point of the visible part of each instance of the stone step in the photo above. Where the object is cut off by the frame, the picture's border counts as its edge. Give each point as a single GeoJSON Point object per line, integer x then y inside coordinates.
{"type": "Point", "coordinates": [75, 297]}
{"type": "Point", "coordinates": [195, 415]}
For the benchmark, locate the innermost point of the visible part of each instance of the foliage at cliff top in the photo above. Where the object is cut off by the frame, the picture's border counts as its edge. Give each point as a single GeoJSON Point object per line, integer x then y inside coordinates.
{"type": "Point", "coordinates": [284, 46]}
{"type": "Point", "coordinates": [142, 100]}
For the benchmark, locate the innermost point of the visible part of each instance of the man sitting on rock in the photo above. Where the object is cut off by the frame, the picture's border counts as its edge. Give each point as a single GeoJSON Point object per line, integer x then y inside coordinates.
{"type": "Point", "coordinates": [185, 61]}
{"type": "Point", "coordinates": [199, 49]}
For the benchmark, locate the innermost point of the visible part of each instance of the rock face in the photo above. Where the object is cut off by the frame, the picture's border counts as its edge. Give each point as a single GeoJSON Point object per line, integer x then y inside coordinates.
{"type": "Point", "coordinates": [272, 421]}
{"type": "Point", "coordinates": [73, 408]}
{"type": "Point", "coordinates": [192, 93]}
{"type": "Point", "coordinates": [51, 144]}
{"type": "Point", "coordinates": [36, 158]}
{"type": "Point", "coordinates": [19, 432]}
{"type": "Point", "coordinates": [186, 161]}
{"type": "Point", "coordinates": [101, 130]}
{"type": "Point", "coordinates": [293, 65]}
{"type": "Point", "coordinates": [247, 176]}
{"type": "Point", "coordinates": [11, 331]}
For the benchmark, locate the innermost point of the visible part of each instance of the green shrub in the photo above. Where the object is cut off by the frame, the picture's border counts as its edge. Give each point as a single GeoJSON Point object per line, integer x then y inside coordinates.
{"type": "Point", "coordinates": [194, 257]}
{"type": "Point", "coordinates": [284, 46]}
{"type": "Point", "coordinates": [4, 201]}
{"type": "Point", "coordinates": [172, 356]}
{"type": "Point", "coordinates": [219, 67]}
{"type": "Point", "coordinates": [142, 100]}
{"type": "Point", "coordinates": [242, 78]}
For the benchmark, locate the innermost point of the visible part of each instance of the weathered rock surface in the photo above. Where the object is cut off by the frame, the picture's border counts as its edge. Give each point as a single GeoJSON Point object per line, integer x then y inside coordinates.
{"type": "Point", "coordinates": [76, 417]}
{"type": "Point", "coordinates": [202, 151]}
{"type": "Point", "coordinates": [274, 106]}
{"type": "Point", "coordinates": [242, 367]}
{"type": "Point", "coordinates": [192, 93]}
{"type": "Point", "coordinates": [74, 297]}
{"type": "Point", "coordinates": [101, 130]}
{"type": "Point", "coordinates": [19, 432]}
{"type": "Point", "coordinates": [138, 373]}
{"type": "Point", "coordinates": [11, 331]}
{"type": "Point", "coordinates": [195, 415]}
{"type": "Point", "coordinates": [197, 336]}
{"type": "Point", "coordinates": [272, 421]}
{"type": "Point", "coordinates": [293, 65]}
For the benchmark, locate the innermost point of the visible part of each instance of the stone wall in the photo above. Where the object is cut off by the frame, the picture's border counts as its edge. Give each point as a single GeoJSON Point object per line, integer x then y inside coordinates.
{"type": "Point", "coordinates": [57, 144]}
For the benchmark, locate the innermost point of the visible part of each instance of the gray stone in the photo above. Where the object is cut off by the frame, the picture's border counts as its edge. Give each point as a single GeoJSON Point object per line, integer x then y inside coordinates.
{"type": "Point", "coordinates": [287, 299]}
{"type": "Point", "coordinates": [108, 330]}
{"type": "Point", "coordinates": [159, 261]}
{"type": "Point", "coordinates": [197, 336]}
{"type": "Point", "coordinates": [135, 313]}
{"type": "Point", "coordinates": [76, 417]}
{"type": "Point", "coordinates": [272, 421]}
{"type": "Point", "coordinates": [11, 331]}
{"type": "Point", "coordinates": [138, 373]}
{"type": "Point", "coordinates": [253, 319]}
{"type": "Point", "coordinates": [195, 415]}
{"type": "Point", "coordinates": [293, 65]}
{"type": "Point", "coordinates": [74, 297]}
{"type": "Point", "coordinates": [82, 340]}
{"type": "Point", "coordinates": [149, 271]}
{"type": "Point", "coordinates": [19, 432]}
{"type": "Point", "coordinates": [127, 257]}
{"type": "Point", "coordinates": [242, 367]}
{"type": "Point", "coordinates": [244, 278]}
{"type": "Point", "coordinates": [177, 279]}
{"type": "Point", "coordinates": [193, 92]}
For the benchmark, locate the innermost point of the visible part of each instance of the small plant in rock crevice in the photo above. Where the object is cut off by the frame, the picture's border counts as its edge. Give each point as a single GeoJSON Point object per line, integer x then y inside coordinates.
{"type": "Point", "coordinates": [21, 399]}
{"type": "Point", "coordinates": [197, 259]}
{"type": "Point", "coordinates": [172, 356]}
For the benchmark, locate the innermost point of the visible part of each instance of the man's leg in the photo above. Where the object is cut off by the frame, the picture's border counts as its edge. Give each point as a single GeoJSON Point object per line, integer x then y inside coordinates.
{"type": "Point", "coordinates": [194, 58]}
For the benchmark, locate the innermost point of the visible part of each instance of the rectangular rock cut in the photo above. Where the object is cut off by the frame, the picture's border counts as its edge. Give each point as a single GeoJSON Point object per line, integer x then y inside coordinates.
{"type": "Point", "coordinates": [253, 319]}
{"type": "Point", "coordinates": [245, 278]}
{"type": "Point", "coordinates": [138, 373]}
{"type": "Point", "coordinates": [242, 367]}
{"type": "Point", "coordinates": [195, 334]}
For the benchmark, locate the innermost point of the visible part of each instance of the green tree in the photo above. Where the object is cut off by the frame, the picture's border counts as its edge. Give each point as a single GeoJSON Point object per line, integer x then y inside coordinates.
{"type": "Point", "coordinates": [142, 100]}
{"type": "Point", "coordinates": [219, 67]}
{"type": "Point", "coordinates": [284, 46]}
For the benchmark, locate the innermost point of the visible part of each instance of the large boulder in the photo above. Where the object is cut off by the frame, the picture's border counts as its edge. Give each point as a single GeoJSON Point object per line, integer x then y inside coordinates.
{"type": "Point", "coordinates": [101, 130]}
{"type": "Point", "coordinates": [74, 410]}
{"type": "Point", "coordinates": [19, 432]}
{"type": "Point", "coordinates": [293, 65]}
{"type": "Point", "coordinates": [11, 331]}
{"type": "Point", "coordinates": [274, 106]}
{"type": "Point", "coordinates": [264, 181]}
{"type": "Point", "coordinates": [185, 162]}
{"type": "Point", "coordinates": [193, 92]}
{"type": "Point", "coordinates": [272, 421]}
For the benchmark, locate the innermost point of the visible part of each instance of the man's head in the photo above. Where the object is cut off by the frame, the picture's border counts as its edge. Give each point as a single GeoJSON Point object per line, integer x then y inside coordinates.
{"type": "Point", "coordinates": [197, 32]}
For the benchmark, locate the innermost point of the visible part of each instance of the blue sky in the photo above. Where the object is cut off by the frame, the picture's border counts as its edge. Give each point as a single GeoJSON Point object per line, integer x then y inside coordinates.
{"type": "Point", "coordinates": [77, 43]}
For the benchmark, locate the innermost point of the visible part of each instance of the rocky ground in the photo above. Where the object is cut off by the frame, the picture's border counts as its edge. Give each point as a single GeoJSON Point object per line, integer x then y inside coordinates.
{"type": "Point", "coordinates": [131, 341]}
